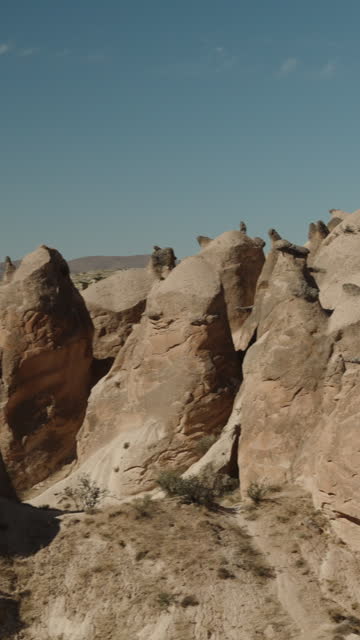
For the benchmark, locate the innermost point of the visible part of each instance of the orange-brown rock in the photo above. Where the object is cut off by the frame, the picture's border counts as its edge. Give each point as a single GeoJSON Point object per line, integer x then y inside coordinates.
{"type": "Point", "coordinates": [46, 355]}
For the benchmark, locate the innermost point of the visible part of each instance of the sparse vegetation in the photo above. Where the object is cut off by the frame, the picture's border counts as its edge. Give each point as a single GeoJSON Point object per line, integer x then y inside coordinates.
{"type": "Point", "coordinates": [224, 573]}
{"type": "Point", "coordinates": [189, 601]}
{"type": "Point", "coordinates": [86, 495]}
{"type": "Point", "coordinates": [144, 506]}
{"type": "Point", "coordinates": [340, 616]}
{"type": "Point", "coordinates": [189, 490]}
{"type": "Point", "coordinates": [165, 599]}
{"type": "Point", "coordinates": [204, 443]}
{"type": "Point", "coordinates": [258, 491]}
{"type": "Point", "coordinates": [202, 489]}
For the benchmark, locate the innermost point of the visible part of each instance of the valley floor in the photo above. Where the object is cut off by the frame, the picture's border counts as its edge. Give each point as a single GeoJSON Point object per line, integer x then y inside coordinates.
{"type": "Point", "coordinates": [161, 570]}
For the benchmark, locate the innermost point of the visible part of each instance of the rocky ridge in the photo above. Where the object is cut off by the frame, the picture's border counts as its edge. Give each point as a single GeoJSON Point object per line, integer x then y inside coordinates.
{"type": "Point", "coordinates": [228, 364]}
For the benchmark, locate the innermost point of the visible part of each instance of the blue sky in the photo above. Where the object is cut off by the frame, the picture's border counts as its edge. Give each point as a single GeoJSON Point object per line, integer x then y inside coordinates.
{"type": "Point", "coordinates": [128, 123]}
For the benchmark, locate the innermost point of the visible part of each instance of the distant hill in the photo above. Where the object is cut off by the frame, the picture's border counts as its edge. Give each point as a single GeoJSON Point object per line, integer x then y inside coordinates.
{"type": "Point", "coordinates": [94, 263]}
{"type": "Point", "coordinates": [99, 263]}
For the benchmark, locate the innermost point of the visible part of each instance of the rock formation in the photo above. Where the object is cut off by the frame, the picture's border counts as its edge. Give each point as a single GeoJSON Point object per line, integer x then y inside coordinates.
{"type": "Point", "coordinates": [9, 270]}
{"type": "Point", "coordinates": [203, 241]}
{"type": "Point", "coordinates": [173, 382]}
{"type": "Point", "coordinates": [283, 369]}
{"type": "Point", "coordinates": [296, 408]}
{"type": "Point", "coordinates": [162, 261]}
{"type": "Point", "coordinates": [238, 259]}
{"type": "Point", "coordinates": [115, 305]}
{"type": "Point", "coordinates": [46, 355]}
{"type": "Point", "coordinates": [260, 360]}
{"type": "Point", "coordinates": [317, 233]}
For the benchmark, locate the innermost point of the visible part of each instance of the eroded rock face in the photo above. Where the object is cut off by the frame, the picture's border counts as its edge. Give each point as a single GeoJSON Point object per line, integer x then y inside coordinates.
{"type": "Point", "coordinates": [283, 369]}
{"type": "Point", "coordinates": [298, 408]}
{"type": "Point", "coordinates": [238, 260]}
{"type": "Point", "coordinates": [173, 382]}
{"type": "Point", "coordinates": [9, 270]}
{"type": "Point", "coordinates": [336, 266]}
{"type": "Point", "coordinates": [162, 261]}
{"type": "Point", "coordinates": [318, 231]}
{"type": "Point", "coordinates": [115, 305]}
{"type": "Point", "coordinates": [46, 355]}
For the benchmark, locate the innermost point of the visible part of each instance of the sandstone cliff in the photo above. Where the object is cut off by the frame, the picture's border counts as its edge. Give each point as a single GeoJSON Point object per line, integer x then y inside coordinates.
{"type": "Point", "coordinates": [46, 356]}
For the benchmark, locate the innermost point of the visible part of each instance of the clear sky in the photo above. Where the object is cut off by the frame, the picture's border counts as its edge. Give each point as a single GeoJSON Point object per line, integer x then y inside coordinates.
{"type": "Point", "coordinates": [129, 123]}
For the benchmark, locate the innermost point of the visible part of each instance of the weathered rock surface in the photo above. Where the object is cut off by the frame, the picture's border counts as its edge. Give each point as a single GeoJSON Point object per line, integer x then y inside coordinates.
{"type": "Point", "coordinates": [238, 260]}
{"type": "Point", "coordinates": [297, 407]}
{"type": "Point", "coordinates": [282, 370]}
{"type": "Point", "coordinates": [46, 355]}
{"type": "Point", "coordinates": [173, 382]}
{"type": "Point", "coordinates": [115, 305]}
{"type": "Point", "coordinates": [9, 270]}
{"type": "Point", "coordinates": [203, 241]}
{"type": "Point", "coordinates": [318, 231]}
{"type": "Point", "coordinates": [294, 421]}
{"type": "Point", "coordinates": [162, 261]}
{"type": "Point", "coordinates": [337, 263]}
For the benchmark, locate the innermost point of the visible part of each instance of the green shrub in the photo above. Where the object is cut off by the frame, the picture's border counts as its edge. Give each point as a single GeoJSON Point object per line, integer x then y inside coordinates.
{"type": "Point", "coordinates": [202, 489]}
{"type": "Point", "coordinates": [257, 491]}
{"type": "Point", "coordinates": [224, 484]}
{"type": "Point", "coordinates": [86, 495]}
{"type": "Point", "coordinates": [191, 490]}
{"type": "Point", "coordinates": [204, 443]}
{"type": "Point", "coordinates": [165, 599]}
{"type": "Point", "coordinates": [144, 506]}
{"type": "Point", "coordinates": [189, 601]}
{"type": "Point", "coordinates": [224, 573]}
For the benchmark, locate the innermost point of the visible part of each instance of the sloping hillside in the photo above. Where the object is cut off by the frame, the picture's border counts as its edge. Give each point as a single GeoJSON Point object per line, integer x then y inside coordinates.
{"type": "Point", "coordinates": [100, 263]}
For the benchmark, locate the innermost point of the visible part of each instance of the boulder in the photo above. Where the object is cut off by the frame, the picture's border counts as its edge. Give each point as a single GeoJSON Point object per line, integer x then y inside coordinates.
{"type": "Point", "coordinates": [115, 305]}
{"type": "Point", "coordinates": [46, 356]}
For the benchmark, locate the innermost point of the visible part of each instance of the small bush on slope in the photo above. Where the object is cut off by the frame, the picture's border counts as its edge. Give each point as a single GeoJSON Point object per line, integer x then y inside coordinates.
{"type": "Point", "coordinates": [87, 494]}
{"type": "Point", "coordinates": [201, 489]}
{"type": "Point", "coordinates": [189, 490]}
{"type": "Point", "coordinates": [257, 491]}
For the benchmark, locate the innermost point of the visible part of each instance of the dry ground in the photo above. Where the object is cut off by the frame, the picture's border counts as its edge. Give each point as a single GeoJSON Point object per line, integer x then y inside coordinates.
{"type": "Point", "coordinates": [161, 570]}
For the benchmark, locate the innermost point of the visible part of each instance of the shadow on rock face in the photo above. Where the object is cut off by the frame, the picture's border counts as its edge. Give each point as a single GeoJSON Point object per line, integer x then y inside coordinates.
{"type": "Point", "coordinates": [100, 368]}
{"type": "Point", "coordinates": [10, 622]}
{"type": "Point", "coordinates": [24, 529]}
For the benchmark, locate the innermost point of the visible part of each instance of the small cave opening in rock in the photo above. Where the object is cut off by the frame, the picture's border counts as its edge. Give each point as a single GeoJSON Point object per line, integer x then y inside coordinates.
{"type": "Point", "coordinates": [232, 467]}
{"type": "Point", "coordinates": [100, 368]}
{"type": "Point", "coordinates": [242, 353]}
